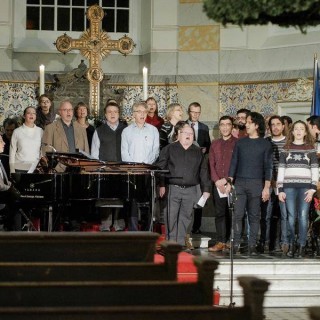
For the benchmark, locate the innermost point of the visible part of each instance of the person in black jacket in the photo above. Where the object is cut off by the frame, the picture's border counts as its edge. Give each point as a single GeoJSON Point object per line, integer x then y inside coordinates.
{"type": "Point", "coordinates": [187, 169]}
{"type": "Point", "coordinates": [202, 137]}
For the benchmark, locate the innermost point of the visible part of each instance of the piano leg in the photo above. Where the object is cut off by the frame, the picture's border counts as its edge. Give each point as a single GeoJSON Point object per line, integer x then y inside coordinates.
{"type": "Point", "coordinates": [50, 219]}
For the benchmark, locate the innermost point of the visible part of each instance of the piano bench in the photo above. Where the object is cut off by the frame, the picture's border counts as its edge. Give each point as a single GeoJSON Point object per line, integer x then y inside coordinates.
{"type": "Point", "coordinates": [109, 203]}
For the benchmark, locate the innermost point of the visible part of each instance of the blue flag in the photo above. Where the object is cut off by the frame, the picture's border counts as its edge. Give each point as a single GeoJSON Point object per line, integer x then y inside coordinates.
{"type": "Point", "coordinates": [315, 106]}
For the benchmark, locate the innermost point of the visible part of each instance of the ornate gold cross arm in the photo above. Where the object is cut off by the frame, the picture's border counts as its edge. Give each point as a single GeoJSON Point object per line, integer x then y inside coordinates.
{"type": "Point", "coordinates": [95, 44]}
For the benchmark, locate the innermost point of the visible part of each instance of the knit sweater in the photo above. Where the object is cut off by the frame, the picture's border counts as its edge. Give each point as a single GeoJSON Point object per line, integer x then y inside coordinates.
{"type": "Point", "coordinates": [298, 168]}
{"type": "Point", "coordinates": [24, 147]}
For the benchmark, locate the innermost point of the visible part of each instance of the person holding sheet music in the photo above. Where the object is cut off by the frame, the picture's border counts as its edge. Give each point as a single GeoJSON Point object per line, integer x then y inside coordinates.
{"type": "Point", "coordinates": [187, 169]}
{"type": "Point", "coordinates": [220, 154]}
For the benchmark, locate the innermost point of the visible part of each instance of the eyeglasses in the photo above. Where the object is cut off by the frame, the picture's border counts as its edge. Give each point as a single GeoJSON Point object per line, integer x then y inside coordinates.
{"type": "Point", "coordinates": [187, 133]}
{"type": "Point", "coordinates": [45, 101]}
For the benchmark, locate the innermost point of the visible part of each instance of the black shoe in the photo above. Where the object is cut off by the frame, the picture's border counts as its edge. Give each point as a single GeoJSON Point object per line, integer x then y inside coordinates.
{"type": "Point", "coordinates": [301, 252]}
{"type": "Point", "coordinates": [291, 251]}
{"type": "Point", "coordinates": [198, 231]}
{"type": "Point", "coordinates": [253, 251]}
{"type": "Point", "coordinates": [236, 249]}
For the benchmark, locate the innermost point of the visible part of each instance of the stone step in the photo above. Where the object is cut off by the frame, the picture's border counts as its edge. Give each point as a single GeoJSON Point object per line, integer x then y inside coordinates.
{"type": "Point", "coordinates": [298, 298]}
{"type": "Point", "coordinates": [277, 282]}
{"type": "Point", "coordinates": [270, 266]}
{"type": "Point", "coordinates": [293, 282]}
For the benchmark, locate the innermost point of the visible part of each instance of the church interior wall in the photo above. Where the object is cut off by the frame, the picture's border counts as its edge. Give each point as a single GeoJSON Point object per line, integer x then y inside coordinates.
{"type": "Point", "coordinates": [189, 58]}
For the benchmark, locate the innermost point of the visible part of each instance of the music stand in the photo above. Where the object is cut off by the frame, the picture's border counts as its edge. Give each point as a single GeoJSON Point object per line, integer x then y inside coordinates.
{"type": "Point", "coordinates": [231, 201]}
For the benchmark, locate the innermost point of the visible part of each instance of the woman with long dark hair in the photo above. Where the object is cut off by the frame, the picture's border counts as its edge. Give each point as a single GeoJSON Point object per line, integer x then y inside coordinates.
{"type": "Point", "coordinates": [298, 175]}
{"type": "Point", "coordinates": [152, 116]}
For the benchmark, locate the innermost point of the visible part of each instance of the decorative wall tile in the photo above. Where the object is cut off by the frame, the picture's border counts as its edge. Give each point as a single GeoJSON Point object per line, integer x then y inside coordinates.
{"type": "Point", "coordinates": [164, 95]}
{"type": "Point", "coordinates": [261, 97]}
{"type": "Point", "coordinates": [199, 38]}
{"type": "Point", "coordinates": [15, 97]}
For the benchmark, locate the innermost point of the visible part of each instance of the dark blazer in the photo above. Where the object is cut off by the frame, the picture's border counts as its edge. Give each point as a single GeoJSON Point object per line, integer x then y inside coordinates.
{"type": "Point", "coordinates": [203, 136]}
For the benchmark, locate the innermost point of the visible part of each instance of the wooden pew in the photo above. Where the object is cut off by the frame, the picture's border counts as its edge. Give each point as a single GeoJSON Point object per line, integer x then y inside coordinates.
{"type": "Point", "coordinates": [94, 271]}
{"type": "Point", "coordinates": [77, 246]}
{"type": "Point", "coordinates": [252, 309]}
{"type": "Point", "coordinates": [112, 293]}
{"type": "Point", "coordinates": [62, 298]}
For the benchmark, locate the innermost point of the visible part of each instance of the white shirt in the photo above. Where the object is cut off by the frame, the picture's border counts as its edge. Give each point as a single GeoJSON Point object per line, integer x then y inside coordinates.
{"type": "Point", "coordinates": [24, 147]}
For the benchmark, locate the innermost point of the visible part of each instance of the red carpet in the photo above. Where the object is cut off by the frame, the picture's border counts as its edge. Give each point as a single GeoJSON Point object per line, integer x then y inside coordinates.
{"type": "Point", "coordinates": [187, 272]}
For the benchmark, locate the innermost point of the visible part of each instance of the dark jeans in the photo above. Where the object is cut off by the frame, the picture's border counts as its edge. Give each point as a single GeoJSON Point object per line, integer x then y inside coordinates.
{"type": "Point", "coordinates": [270, 216]}
{"type": "Point", "coordinates": [249, 193]}
{"type": "Point", "coordinates": [296, 206]}
{"type": "Point", "coordinates": [222, 216]}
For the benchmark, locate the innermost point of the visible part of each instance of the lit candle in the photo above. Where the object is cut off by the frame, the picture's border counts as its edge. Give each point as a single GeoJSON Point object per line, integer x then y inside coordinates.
{"type": "Point", "coordinates": [145, 83]}
{"type": "Point", "coordinates": [41, 70]}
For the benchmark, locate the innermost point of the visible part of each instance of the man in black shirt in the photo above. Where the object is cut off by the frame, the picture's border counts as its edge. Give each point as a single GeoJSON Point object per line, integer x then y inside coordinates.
{"type": "Point", "coordinates": [187, 169]}
{"type": "Point", "coordinates": [251, 170]}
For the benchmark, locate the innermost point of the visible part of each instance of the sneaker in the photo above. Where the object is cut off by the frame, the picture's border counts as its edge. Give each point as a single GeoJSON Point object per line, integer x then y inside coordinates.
{"type": "Point", "coordinates": [188, 243]}
{"type": "Point", "coordinates": [219, 246]}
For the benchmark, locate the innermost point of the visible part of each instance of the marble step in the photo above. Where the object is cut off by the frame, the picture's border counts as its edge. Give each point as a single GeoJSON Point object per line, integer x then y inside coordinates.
{"type": "Point", "coordinates": [270, 267]}
{"type": "Point", "coordinates": [277, 282]}
{"type": "Point", "coordinates": [297, 299]}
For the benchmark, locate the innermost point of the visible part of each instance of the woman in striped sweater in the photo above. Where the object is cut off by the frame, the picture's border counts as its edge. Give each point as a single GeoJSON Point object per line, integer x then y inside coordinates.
{"type": "Point", "coordinates": [297, 182]}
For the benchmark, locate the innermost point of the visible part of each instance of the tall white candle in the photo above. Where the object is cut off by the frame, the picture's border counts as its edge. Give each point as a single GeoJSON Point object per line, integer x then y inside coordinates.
{"type": "Point", "coordinates": [145, 83]}
{"type": "Point", "coordinates": [41, 77]}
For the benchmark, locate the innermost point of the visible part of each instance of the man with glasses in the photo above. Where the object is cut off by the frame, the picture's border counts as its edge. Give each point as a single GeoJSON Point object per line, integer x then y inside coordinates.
{"type": "Point", "coordinates": [139, 143]}
{"type": "Point", "coordinates": [65, 135]}
{"type": "Point", "coordinates": [202, 137]}
{"type": "Point", "coordinates": [219, 159]}
{"type": "Point", "coordinates": [140, 140]}
{"type": "Point", "coordinates": [187, 168]}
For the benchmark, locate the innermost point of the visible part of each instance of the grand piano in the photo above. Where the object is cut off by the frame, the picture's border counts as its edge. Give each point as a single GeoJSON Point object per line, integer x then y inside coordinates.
{"type": "Point", "coordinates": [65, 179]}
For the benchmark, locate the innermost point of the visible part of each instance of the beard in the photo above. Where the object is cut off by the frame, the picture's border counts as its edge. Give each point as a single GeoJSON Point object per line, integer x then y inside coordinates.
{"type": "Point", "coordinates": [241, 126]}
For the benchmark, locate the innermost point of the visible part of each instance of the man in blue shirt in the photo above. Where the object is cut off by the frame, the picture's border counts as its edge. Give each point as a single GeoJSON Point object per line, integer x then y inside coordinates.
{"type": "Point", "coordinates": [140, 140]}
{"type": "Point", "coordinates": [139, 143]}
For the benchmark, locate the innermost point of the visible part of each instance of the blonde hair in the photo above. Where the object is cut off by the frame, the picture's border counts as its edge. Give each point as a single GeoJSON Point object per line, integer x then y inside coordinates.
{"type": "Point", "coordinates": [171, 108]}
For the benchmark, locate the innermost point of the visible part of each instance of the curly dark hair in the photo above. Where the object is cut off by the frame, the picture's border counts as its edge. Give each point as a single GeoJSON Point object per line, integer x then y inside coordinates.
{"type": "Point", "coordinates": [258, 119]}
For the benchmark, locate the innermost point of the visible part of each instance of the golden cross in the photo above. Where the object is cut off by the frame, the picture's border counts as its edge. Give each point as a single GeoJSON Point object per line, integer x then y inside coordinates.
{"type": "Point", "coordinates": [95, 44]}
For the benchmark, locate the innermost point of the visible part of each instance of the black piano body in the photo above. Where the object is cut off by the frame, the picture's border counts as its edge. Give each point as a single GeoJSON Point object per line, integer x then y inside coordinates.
{"type": "Point", "coordinates": [113, 182]}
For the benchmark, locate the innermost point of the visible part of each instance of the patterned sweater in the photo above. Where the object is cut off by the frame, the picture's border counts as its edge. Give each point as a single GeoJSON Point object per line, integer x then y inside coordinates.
{"type": "Point", "coordinates": [298, 168]}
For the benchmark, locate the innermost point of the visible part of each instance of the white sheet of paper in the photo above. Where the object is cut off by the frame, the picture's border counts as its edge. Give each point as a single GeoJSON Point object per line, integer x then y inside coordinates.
{"type": "Point", "coordinates": [222, 195]}
{"type": "Point", "coordinates": [202, 201]}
